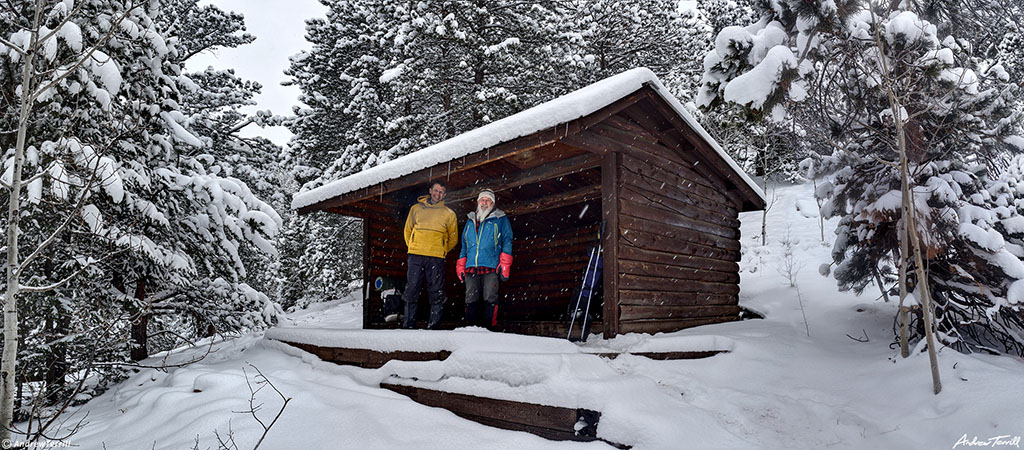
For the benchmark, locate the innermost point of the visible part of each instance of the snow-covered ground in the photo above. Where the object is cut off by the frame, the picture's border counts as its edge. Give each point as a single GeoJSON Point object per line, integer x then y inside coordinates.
{"type": "Point", "coordinates": [778, 388]}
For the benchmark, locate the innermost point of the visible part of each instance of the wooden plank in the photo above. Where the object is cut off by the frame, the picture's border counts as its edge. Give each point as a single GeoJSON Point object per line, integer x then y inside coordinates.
{"type": "Point", "coordinates": [630, 312]}
{"type": "Point", "coordinates": [610, 110]}
{"type": "Point", "coordinates": [380, 207]}
{"type": "Point", "coordinates": [566, 285]}
{"type": "Point", "coordinates": [551, 435]}
{"type": "Point", "coordinates": [679, 201]}
{"type": "Point", "coordinates": [549, 328]}
{"type": "Point", "coordinates": [573, 265]}
{"type": "Point", "coordinates": [665, 326]}
{"type": "Point", "coordinates": [595, 143]}
{"type": "Point", "coordinates": [664, 298]}
{"type": "Point", "coordinates": [666, 356]}
{"type": "Point", "coordinates": [676, 259]}
{"type": "Point", "coordinates": [640, 282]}
{"type": "Point", "coordinates": [368, 359]}
{"type": "Point", "coordinates": [393, 272]}
{"type": "Point", "coordinates": [574, 262]}
{"type": "Point", "coordinates": [652, 241]}
{"type": "Point", "coordinates": [750, 201]}
{"type": "Point", "coordinates": [656, 200]}
{"type": "Point", "coordinates": [660, 222]}
{"type": "Point", "coordinates": [610, 187]}
{"type": "Point", "coordinates": [558, 200]}
{"type": "Point", "coordinates": [669, 271]}
{"type": "Point", "coordinates": [556, 422]}
{"type": "Point", "coordinates": [586, 233]}
{"type": "Point", "coordinates": [549, 276]}
{"type": "Point", "coordinates": [645, 189]}
{"type": "Point", "coordinates": [622, 121]}
{"type": "Point", "coordinates": [656, 152]}
{"type": "Point", "coordinates": [676, 182]}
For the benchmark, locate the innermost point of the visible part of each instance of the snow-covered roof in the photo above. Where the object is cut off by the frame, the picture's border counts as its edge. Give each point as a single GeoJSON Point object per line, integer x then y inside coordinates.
{"type": "Point", "coordinates": [566, 108]}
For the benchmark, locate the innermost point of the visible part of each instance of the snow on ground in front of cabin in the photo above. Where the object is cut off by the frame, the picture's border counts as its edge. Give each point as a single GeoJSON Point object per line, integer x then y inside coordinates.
{"type": "Point", "coordinates": [778, 388]}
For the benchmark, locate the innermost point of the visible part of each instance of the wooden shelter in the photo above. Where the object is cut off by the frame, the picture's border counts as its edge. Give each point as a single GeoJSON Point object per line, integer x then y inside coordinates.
{"type": "Point", "coordinates": [622, 152]}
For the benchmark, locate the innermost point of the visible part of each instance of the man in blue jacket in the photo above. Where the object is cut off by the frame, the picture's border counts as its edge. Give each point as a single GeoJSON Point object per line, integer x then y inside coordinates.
{"type": "Point", "coordinates": [486, 257]}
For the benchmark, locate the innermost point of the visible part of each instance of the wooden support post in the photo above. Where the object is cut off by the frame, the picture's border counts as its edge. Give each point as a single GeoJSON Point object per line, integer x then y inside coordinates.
{"type": "Point", "coordinates": [367, 283]}
{"type": "Point", "coordinates": [610, 164]}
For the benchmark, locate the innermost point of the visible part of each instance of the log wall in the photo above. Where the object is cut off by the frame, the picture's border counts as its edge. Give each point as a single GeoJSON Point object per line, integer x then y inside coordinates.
{"type": "Point", "coordinates": [548, 268]}
{"type": "Point", "coordinates": [677, 243]}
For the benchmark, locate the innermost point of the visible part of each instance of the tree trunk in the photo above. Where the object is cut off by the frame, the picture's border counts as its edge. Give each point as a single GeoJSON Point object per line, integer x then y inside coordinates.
{"type": "Point", "coordinates": [821, 217]}
{"type": "Point", "coordinates": [881, 285]}
{"type": "Point", "coordinates": [8, 365]}
{"type": "Point", "coordinates": [140, 331]}
{"type": "Point", "coordinates": [902, 314]}
{"type": "Point", "coordinates": [910, 218]}
{"type": "Point", "coordinates": [764, 214]}
{"type": "Point", "coordinates": [57, 356]}
{"type": "Point", "coordinates": [910, 214]}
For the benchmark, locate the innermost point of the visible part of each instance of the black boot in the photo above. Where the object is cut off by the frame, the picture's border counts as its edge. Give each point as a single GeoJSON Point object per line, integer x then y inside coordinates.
{"type": "Point", "coordinates": [491, 316]}
{"type": "Point", "coordinates": [410, 316]}
{"type": "Point", "coordinates": [473, 313]}
{"type": "Point", "coordinates": [435, 316]}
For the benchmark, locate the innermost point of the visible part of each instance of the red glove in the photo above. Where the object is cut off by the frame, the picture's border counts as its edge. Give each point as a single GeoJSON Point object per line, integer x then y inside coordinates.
{"type": "Point", "coordinates": [460, 268]}
{"type": "Point", "coordinates": [504, 266]}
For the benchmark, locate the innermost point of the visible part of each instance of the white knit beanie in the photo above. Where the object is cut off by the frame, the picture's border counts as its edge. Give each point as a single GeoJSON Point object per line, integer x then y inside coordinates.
{"type": "Point", "coordinates": [486, 193]}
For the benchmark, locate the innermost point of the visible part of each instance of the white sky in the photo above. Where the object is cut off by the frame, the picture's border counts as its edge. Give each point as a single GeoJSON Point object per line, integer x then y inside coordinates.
{"type": "Point", "coordinates": [279, 27]}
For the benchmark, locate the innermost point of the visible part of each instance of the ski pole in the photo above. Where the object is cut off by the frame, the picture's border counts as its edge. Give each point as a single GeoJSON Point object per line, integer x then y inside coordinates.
{"type": "Point", "coordinates": [583, 284]}
{"type": "Point", "coordinates": [590, 295]}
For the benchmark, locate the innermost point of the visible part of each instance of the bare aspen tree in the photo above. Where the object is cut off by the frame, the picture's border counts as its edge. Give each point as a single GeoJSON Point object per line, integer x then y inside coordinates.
{"type": "Point", "coordinates": [34, 83]}
{"type": "Point", "coordinates": [909, 211]}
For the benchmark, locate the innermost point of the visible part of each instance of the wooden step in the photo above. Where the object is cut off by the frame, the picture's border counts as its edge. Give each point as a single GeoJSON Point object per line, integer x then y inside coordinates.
{"type": "Point", "coordinates": [550, 422]}
{"type": "Point", "coordinates": [367, 359]}
{"type": "Point", "coordinates": [664, 356]}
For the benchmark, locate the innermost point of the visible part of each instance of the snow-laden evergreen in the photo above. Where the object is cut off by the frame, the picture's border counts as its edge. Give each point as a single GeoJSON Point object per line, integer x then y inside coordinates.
{"type": "Point", "coordinates": [832, 71]}
{"type": "Point", "coordinates": [137, 192]}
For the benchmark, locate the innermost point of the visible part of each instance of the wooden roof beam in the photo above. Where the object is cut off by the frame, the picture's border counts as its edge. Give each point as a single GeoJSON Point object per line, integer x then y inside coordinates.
{"type": "Point", "coordinates": [554, 201]}
{"type": "Point", "coordinates": [540, 173]}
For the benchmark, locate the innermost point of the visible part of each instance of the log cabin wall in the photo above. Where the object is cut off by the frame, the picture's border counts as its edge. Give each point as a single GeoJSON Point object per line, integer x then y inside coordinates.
{"type": "Point", "coordinates": [677, 244]}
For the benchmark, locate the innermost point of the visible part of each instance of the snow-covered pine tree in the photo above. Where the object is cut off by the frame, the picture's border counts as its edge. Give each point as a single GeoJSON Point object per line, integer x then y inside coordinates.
{"type": "Point", "coordinates": [120, 194]}
{"type": "Point", "coordinates": [840, 67]}
{"type": "Point", "coordinates": [611, 36]}
{"type": "Point", "coordinates": [387, 78]}
{"type": "Point", "coordinates": [212, 102]}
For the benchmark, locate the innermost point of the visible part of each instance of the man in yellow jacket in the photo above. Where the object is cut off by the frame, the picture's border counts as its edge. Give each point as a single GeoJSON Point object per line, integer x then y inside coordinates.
{"type": "Point", "coordinates": [430, 233]}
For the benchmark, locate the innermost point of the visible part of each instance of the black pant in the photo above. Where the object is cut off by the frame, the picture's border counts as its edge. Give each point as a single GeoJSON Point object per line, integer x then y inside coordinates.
{"type": "Point", "coordinates": [487, 284]}
{"type": "Point", "coordinates": [420, 268]}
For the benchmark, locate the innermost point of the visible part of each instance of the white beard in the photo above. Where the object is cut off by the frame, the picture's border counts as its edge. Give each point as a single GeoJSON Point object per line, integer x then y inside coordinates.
{"type": "Point", "coordinates": [482, 213]}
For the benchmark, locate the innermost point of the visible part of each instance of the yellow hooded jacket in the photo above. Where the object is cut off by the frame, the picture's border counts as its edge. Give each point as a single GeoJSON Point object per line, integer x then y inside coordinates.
{"type": "Point", "coordinates": [430, 230]}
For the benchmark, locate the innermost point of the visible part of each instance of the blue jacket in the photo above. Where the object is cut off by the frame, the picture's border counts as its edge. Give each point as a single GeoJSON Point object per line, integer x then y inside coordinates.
{"type": "Point", "coordinates": [494, 238]}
